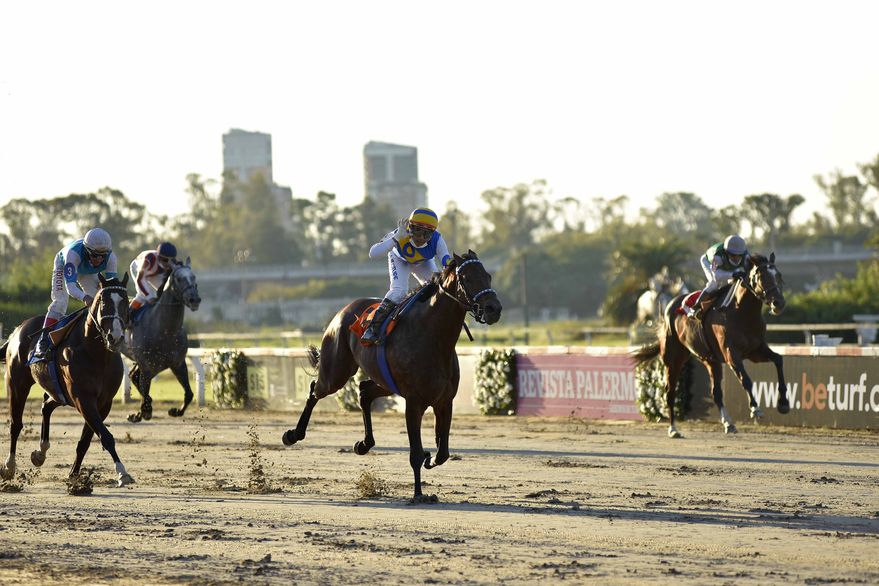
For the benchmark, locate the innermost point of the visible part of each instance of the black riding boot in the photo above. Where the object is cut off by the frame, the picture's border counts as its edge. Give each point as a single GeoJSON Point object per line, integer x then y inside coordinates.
{"type": "Point", "coordinates": [372, 334]}
{"type": "Point", "coordinates": [43, 348]}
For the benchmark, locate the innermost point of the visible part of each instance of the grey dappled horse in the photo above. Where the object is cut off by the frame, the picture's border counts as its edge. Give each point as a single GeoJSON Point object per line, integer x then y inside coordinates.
{"type": "Point", "coordinates": [158, 341]}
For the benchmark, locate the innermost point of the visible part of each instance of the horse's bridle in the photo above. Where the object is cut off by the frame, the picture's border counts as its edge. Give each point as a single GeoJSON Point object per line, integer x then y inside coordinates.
{"type": "Point", "coordinates": [469, 302]}
{"type": "Point", "coordinates": [179, 292]}
{"type": "Point", "coordinates": [753, 289]}
{"type": "Point", "coordinates": [101, 331]}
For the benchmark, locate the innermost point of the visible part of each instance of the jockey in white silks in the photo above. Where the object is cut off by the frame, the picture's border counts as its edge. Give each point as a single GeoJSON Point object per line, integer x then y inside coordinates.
{"type": "Point", "coordinates": [75, 274]}
{"type": "Point", "coordinates": [412, 249]}
{"type": "Point", "coordinates": [150, 270]}
{"type": "Point", "coordinates": [722, 263]}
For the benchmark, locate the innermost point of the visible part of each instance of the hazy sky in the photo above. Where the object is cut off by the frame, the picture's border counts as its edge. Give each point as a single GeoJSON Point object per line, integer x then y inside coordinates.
{"type": "Point", "coordinates": [598, 98]}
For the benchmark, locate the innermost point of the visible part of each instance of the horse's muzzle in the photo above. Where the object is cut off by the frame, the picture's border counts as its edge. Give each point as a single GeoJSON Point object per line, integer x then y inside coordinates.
{"type": "Point", "coordinates": [491, 311]}
{"type": "Point", "coordinates": [776, 307]}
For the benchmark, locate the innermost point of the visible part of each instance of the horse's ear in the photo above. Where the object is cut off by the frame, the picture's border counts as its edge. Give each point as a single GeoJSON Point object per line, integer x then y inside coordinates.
{"type": "Point", "coordinates": [772, 257]}
{"type": "Point", "coordinates": [125, 279]}
{"type": "Point", "coordinates": [102, 279]}
{"type": "Point", "coordinates": [471, 253]}
{"type": "Point", "coordinates": [187, 261]}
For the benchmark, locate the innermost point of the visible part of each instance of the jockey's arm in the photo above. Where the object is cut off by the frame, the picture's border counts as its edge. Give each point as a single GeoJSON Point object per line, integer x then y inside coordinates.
{"type": "Point", "coordinates": [71, 264]}
{"type": "Point", "coordinates": [721, 276]}
{"type": "Point", "coordinates": [442, 252]}
{"type": "Point", "coordinates": [143, 284]}
{"type": "Point", "coordinates": [382, 247]}
{"type": "Point", "coordinates": [112, 263]}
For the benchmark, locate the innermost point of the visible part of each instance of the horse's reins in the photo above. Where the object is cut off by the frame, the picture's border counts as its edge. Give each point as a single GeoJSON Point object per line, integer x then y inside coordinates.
{"type": "Point", "coordinates": [469, 303]}
{"type": "Point", "coordinates": [101, 332]}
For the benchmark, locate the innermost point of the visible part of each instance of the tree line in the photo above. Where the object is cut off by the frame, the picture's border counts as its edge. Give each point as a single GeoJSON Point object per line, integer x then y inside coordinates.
{"type": "Point", "coordinates": [567, 252]}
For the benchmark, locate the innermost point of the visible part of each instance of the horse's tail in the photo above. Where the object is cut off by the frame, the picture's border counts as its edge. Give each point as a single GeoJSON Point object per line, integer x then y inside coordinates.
{"type": "Point", "coordinates": [313, 356]}
{"type": "Point", "coordinates": [646, 353]}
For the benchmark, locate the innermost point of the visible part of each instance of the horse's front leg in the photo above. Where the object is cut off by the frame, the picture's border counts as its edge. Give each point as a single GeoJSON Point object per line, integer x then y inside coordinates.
{"type": "Point", "coordinates": [715, 374]}
{"type": "Point", "coordinates": [369, 392]}
{"type": "Point", "coordinates": [417, 455]}
{"type": "Point", "coordinates": [142, 381]}
{"type": "Point", "coordinates": [291, 436]}
{"type": "Point", "coordinates": [766, 354]}
{"type": "Point", "coordinates": [94, 421]}
{"type": "Point", "coordinates": [738, 366]}
{"type": "Point", "coordinates": [443, 415]}
{"type": "Point", "coordinates": [38, 457]}
{"type": "Point", "coordinates": [182, 373]}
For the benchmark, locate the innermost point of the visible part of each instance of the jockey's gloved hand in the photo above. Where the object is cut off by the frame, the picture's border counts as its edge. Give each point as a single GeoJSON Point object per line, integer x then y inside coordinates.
{"type": "Point", "coordinates": [738, 274]}
{"type": "Point", "coordinates": [88, 300]}
{"type": "Point", "coordinates": [402, 229]}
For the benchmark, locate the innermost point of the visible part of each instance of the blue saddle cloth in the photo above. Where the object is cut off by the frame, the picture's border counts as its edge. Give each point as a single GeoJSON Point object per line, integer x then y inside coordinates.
{"type": "Point", "coordinates": [403, 309]}
{"type": "Point", "coordinates": [137, 315]}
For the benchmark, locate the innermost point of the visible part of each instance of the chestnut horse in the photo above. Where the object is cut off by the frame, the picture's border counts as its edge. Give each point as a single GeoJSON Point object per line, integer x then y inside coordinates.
{"type": "Point", "coordinates": [89, 371]}
{"type": "Point", "coordinates": [728, 336]}
{"type": "Point", "coordinates": [421, 358]}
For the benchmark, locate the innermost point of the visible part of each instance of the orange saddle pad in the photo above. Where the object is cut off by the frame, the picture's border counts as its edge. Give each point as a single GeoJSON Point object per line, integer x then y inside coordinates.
{"type": "Point", "coordinates": [362, 322]}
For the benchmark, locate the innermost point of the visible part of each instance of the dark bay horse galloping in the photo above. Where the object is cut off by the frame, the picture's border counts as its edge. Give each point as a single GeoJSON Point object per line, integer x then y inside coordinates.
{"type": "Point", "coordinates": [89, 371]}
{"type": "Point", "coordinates": [158, 341]}
{"type": "Point", "coordinates": [420, 355]}
{"type": "Point", "coordinates": [729, 336]}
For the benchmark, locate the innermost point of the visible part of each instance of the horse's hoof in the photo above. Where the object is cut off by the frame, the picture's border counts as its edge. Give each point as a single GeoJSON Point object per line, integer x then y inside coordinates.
{"type": "Point", "coordinates": [424, 499]}
{"type": "Point", "coordinates": [146, 414]}
{"type": "Point", "coordinates": [124, 480]}
{"type": "Point", "coordinates": [730, 429]}
{"type": "Point", "coordinates": [361, 448]}
{"type": "Point", "coordinates": [783, 407]}
{"type": "Point", "coordinates": [289, 438]}
{"type": "Point", "coordinates": [7, 473]}
{"type": "Point", "coordinates": [756, 413]}
{"type": "Point", "coordinates": [134, 418]}
{"type": "Point", "coordinates": [38, 458]}
{"type": "Point", "coordinates": [673, 433]}
{"type": "Point", "coordinates": [426, 461]}
{"type": "Point", "coordinates": [175, 412]}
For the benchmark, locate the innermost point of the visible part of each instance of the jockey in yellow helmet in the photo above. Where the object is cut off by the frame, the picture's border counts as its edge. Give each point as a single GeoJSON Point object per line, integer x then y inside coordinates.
{"type": "Point", "coordinates": [413, 248]}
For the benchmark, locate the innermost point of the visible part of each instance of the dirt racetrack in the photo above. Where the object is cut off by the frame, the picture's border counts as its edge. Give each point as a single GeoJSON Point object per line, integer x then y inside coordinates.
{"type": "Point", "coordinates": [522, 501]}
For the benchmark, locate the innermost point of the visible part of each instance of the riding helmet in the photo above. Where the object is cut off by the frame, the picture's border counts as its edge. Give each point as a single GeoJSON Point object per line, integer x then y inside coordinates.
{"type": "Point", "coordinates": [424, 218]}
{"type": "Point", "coordinates": [97, 241]}
{"type": "Point", "coordinates": [167, 249]}
{"type": "Point", "coordinates": [735, 244]}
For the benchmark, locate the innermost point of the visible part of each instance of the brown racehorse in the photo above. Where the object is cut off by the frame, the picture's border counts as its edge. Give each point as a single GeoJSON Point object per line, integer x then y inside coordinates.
{"type": "Point", "coordinates": [724, 336]}
{"type": "Point", "coordinates": [420, 355]}
{"type": "Point", "coordinates": [89, 371]}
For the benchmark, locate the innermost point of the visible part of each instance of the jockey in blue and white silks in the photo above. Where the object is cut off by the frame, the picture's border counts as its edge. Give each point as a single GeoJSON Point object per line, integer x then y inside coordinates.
{"type": "Point", "coordinates": [412, 249]}
{"type": "Point", "coordinates": [75, 274]}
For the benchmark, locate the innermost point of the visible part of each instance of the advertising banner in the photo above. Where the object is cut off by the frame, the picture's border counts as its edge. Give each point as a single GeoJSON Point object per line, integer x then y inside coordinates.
{"type": "Point", "coordinates": [824, 391]}
{"type": "Point", "coordinates": [594, 387]}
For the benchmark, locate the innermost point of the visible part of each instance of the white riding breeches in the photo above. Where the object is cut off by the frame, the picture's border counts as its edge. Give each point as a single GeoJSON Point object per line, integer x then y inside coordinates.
{"type": "Point", "coordinates": [399, 271]}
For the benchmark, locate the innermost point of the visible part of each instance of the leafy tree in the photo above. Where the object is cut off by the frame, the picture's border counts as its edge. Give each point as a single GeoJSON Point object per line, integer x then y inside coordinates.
{"type": "Point", "coordinates": [456, 229]}
{"type": "Point", "coordinates": [631, 265]}
{"type": "Point", "coordinates": [846, 197]}
{"type": "Point", "coordinates": [771, 214]}
{"type": "Point", "coordinates": [681, 212]}
{"type": "Point", "coordinates": [515, 218]}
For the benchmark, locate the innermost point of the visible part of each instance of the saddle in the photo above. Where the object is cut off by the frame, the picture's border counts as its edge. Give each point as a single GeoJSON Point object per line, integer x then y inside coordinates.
{"type": "Point", "coordinates": [58, 334]}
{"type": "Point", "coordinates": [363, 320]}
{"type": "Point", "coordinates": [709, 300]}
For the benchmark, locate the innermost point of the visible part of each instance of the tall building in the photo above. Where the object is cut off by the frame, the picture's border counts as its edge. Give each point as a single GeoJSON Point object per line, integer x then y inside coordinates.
{"type": "Point", "coordinates": [391, 176]}
{"type": "Point", "coordinates": [247, 154]}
